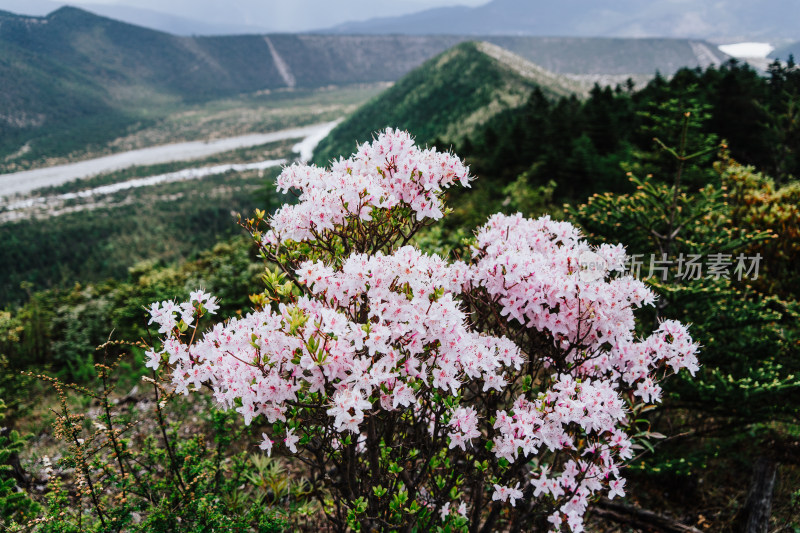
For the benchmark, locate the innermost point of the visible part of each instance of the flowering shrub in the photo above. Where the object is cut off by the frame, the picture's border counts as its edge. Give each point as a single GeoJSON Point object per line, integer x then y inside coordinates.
{"type": "Point", "coordinates": [423, 392]}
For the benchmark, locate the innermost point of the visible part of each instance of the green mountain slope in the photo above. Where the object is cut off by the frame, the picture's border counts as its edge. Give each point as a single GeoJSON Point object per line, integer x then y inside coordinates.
{"type": "Point", "coordinates": [133, 63]}
{"type": "Point", "coordinates": [447, 98]}
{"type": "Point", "coordinates": [73, 78]}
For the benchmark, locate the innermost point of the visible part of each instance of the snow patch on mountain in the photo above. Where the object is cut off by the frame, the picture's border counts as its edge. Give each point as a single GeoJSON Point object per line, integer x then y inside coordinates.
{"type": "Point", "coordinates": [748, 50]}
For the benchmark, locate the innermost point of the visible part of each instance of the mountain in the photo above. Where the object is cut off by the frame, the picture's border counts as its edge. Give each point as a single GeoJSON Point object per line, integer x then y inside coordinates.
{"type": "Point", "coordinates": [732, 20]}
{"type": "Point", "coordinates": [447, 97]}
{"type": "Point", "coordinates": [168, 22]}
{"type": "Point", "coordinates": [149, 18]}
{"type": "Point", "coordinates": [783, 53]}
{"type": "Point", "coordinates": [74, 77]}
{"type": "Point", "coordinates": [618, 56]}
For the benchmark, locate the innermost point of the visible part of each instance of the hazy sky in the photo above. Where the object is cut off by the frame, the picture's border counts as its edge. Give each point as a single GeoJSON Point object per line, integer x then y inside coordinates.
{"type": "Point", "coordinates": [277, 15]}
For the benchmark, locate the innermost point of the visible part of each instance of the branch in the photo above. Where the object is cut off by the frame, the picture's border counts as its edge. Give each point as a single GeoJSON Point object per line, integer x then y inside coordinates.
{"type": "Point", "coordinates": [633, 516]}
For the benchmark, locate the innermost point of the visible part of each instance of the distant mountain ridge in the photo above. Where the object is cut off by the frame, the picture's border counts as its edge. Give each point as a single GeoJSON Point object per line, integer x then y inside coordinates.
{"type": "Point", "coordinates": [80, 74]}
{"type": "Point", "coordinates": [783, 53]}
{"type": "Point", "coordinates": [188, 24]}
{"type": "Point", "coordinates": [704, 19]}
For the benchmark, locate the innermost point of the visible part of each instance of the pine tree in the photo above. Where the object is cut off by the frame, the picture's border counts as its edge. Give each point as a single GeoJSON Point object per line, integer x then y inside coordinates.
{"type": "Point", "coordinates": [744, 315]}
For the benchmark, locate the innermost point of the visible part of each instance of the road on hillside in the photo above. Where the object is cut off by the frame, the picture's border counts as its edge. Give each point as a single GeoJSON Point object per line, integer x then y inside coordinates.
{"type": "Point", "coordinates": [29, 180]}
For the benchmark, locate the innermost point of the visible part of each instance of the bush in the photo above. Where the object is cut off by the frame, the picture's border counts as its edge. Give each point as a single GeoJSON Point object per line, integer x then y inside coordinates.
{"type": "Point", "coordinates": [502, 391]}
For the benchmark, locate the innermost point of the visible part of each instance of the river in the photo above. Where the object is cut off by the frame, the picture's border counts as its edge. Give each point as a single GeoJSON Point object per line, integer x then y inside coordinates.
{"type": "Point", "coordinates": [25, 182]}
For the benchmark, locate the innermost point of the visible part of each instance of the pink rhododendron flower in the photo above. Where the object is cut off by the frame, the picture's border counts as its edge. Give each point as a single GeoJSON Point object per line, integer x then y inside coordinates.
{"type": "Point", "coordinates": [509, 494]}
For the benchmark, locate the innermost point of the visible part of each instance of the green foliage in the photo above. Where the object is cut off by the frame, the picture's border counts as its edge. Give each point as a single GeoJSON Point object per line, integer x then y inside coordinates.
{"type": "Point", "coordinates": [748, 328]}
{"type": "Point", "coordinates": [578, 144]}
{"type": "Point", "coordinates": [139, 469]}
{"type": "Point", "coordinates": [657, 210]}
{"type": "Point", "coordinates": [58, 330]}
{"type": "Point", "coordinates": [532, 202]}
{"type": "Point", "coordinates": [743, 108]}
{"type": "Point", "coordinates": [169, 223]}
{"type": "Point", "coordinates": [676, 120]}
{"type": "Point", "coordinates": [15, 505]}
{"type": "Point", "coordinates": [759, 204]}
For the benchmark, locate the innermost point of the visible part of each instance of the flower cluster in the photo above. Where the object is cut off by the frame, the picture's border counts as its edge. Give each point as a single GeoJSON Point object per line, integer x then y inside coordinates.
{"type": "Point", "coordinates": [164, 315]}
{"type": "Point", "coordinates": [531, 268]}
{"type": "Point", "coordinates": [412, 331]}
{"type": "Point", "coordinates": [390, 171]}
{"type": "Point", "coordinates": [375, 344]}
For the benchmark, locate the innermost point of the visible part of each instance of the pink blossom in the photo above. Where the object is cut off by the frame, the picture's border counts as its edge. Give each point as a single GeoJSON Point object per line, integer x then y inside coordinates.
{"type": "Point", "coordinates": [507, 494]}
{"type": "Point", "coordinates": [291, 440]}
{"type": "Point", "coordinates": [153, 359]}
{"type": "Point", "coordinates": [266, 444]}
{"type": "Point", "coordinates": [616, 488]}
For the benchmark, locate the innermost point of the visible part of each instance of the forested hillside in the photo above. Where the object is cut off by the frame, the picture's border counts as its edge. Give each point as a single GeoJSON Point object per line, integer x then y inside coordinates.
{"type": "Point", "coordinates": [580, 144]}
{"type": "Point", "coordinates": [447, 98]}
